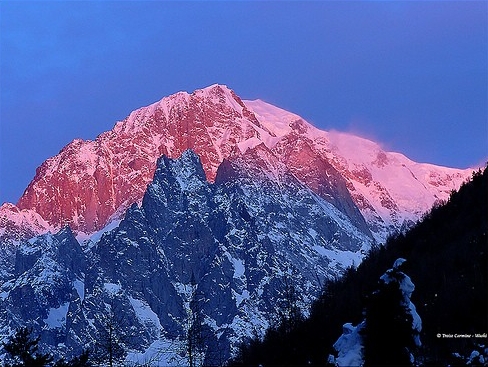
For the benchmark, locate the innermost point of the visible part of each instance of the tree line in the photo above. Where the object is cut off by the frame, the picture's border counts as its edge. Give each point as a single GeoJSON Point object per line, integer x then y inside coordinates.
{"type": "Point", "coordinates": [446, 253]}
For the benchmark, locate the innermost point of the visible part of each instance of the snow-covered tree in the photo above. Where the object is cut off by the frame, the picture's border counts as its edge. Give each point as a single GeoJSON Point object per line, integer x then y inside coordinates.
{"type": "Point", "coordinates": [392, 324]}
{"type": "Point", "coordinates": [22, 350]}
{"type": "Point", "coordinates": [390, 332]}
{"type": "Point", "coordinates": [349, 346]}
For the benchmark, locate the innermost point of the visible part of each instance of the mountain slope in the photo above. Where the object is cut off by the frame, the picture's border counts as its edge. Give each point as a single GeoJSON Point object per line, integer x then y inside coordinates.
{"type": "Point", "coordinates": [447, 261]}
{"type": "Point", "coordinates": [383, 190]}
{"type": "Point", "coordinates": [16, 224]}
{"type": "Point", "coordinates": [389, 189]}
{"type": "Point", "coordinates": [227, 251]}
{"type": "Point", "coordinates": [263, 209]}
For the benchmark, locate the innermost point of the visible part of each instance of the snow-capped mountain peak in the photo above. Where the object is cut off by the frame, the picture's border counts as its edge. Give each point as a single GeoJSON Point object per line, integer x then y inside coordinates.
{"type": "Point", "coordinates": [199, 206]}
{"type": "Point", "coordinates": [111, 172]}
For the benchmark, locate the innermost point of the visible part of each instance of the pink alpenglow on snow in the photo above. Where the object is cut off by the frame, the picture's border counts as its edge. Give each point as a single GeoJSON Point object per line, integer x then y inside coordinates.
{"type": "Point", "coordinates": [88, 184]}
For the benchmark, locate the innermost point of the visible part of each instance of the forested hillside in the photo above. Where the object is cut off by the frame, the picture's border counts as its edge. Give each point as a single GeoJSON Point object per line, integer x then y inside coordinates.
{"type": "Point", "coordinates": [446, 255]}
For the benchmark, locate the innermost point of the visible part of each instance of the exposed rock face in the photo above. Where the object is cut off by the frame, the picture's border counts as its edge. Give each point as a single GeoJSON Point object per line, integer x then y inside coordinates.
{"type": "Point", "coordinates": [262, 204]}
{"type": "Point", "coordinates": [16, 224]}
{"type": "Point", "coordinates": [90, 183]}
{"type": "Point", "coordinates": [229, 251]}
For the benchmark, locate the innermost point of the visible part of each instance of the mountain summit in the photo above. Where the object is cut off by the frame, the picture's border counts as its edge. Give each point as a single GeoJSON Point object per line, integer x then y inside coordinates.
{"type": "Point", "coordinates": [90, 183]}
{"type": "Point", "coordinates": [199, 215]}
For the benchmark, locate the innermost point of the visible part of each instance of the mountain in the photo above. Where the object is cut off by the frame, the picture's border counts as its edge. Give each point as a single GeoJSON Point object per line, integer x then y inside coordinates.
{"type": "Point", "coordinates": [199, 218]}
{"type": "Point", "coordinates": [446, 258]}
{"type": "Point", "coordinates": [16, 224]}
{"type": "Point", "coordinates": [228, 251]}
{"type": "Point", "coordinates": [381, 191]}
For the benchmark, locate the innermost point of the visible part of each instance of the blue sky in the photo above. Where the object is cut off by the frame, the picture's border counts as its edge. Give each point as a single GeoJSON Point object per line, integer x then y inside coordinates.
{"type": "Point", "coordinates": [411, 75]}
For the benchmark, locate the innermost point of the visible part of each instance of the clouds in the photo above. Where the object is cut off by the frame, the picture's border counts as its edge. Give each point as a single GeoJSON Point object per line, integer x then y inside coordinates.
{"type": "Point", "coordinates": [405, 70]}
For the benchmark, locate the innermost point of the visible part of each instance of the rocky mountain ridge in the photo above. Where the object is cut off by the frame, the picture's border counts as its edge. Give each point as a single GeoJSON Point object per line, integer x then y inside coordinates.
{"type": "Point", "coordinates": [201, 214]}
{"type": "Point", "coordinates": [108, 174]}
{"type": "Point", "coordinates": [232, 252]}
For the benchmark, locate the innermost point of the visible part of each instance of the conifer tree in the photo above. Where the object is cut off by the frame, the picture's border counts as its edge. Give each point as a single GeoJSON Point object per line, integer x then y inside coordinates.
{"type": "Point", "coordinates": [387, 336]}
{"type": "Point", "coordinates": [392, 323]}
{"type": "Point", "coordinates": [23, 350]}
{"type": "Point", "coordinates": [79, 361]}
{"type": "Point", "coordinates": [195, 347]}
